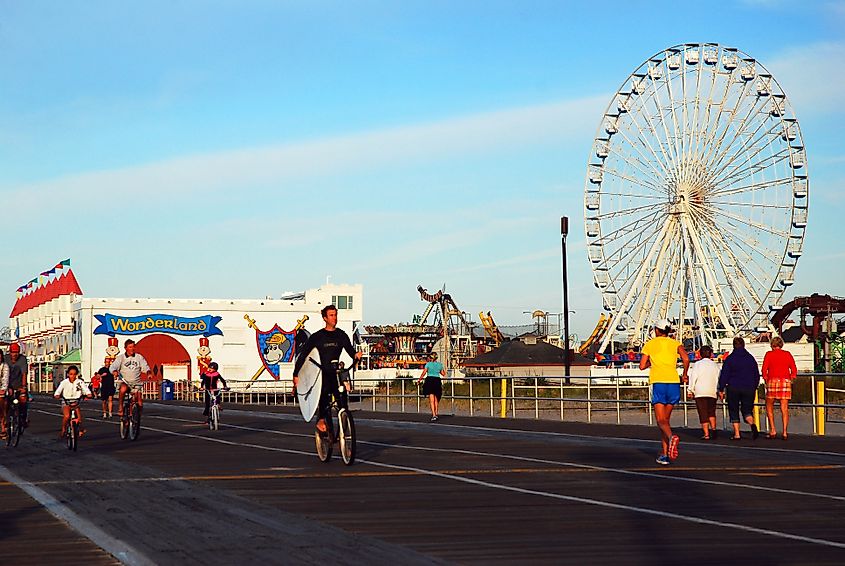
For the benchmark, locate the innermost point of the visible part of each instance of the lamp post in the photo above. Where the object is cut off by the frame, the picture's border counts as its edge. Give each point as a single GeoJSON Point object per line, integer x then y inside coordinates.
{"type": "Point", "coordinates": [564, 230]}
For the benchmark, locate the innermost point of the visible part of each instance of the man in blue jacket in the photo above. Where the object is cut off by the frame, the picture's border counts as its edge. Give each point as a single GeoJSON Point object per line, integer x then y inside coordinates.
{"type": "Point", "coordinates": [740, 376]}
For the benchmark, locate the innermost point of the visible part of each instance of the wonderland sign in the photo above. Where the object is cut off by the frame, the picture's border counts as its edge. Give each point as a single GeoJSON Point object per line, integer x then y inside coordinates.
{"type": "Point", "coordinates": [112, 324]}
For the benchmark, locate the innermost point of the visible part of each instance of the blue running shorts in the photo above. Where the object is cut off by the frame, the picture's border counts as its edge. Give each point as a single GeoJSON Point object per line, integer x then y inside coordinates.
{"type": "Point", "coordinates": [665, 393]}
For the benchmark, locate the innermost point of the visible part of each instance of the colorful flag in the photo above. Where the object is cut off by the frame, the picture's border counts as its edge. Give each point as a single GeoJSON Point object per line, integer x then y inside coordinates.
{"type": "Point", "coordinates": [63, 264]}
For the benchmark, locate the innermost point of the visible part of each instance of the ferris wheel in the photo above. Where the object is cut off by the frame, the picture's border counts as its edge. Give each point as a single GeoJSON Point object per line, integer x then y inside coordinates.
{"type": "Point", "coordinates": [696, 196]}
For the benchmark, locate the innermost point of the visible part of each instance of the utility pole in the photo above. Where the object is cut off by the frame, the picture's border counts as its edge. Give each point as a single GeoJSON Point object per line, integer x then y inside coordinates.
{"type": "Point", "coordinates": [564, 230]}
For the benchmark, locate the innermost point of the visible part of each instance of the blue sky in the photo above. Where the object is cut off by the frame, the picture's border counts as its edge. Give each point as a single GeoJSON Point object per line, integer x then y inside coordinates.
{"type": "Point", "coordinates": [242, 149]}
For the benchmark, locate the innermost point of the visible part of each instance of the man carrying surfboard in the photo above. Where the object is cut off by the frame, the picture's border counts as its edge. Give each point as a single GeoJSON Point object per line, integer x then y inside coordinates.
{"type": "Point", "coordinates": [330, 342]}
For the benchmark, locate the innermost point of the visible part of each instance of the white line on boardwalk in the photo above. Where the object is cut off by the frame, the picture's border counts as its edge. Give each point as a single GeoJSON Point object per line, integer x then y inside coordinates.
{"type": "Point", "coordinates": [117, 548]}
{"type": "Point", "coordinates": [549, 495]}
{"type": "Point", "coordinates": [541, 433]}
{"type": "Point", "coordinates": [551, 462]}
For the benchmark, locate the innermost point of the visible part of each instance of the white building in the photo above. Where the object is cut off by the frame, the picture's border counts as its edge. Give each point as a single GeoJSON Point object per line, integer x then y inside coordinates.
{"type": "Point", "coordinates": [253, 341]}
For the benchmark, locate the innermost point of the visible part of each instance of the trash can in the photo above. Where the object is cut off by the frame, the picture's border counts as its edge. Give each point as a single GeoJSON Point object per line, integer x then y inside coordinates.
{"type": "Point", "coordinates": [166, 390]}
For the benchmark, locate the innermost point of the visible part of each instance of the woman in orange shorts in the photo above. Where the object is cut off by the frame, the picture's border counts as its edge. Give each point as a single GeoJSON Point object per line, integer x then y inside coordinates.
{"type": "Point", "coordinates": [778, 372]}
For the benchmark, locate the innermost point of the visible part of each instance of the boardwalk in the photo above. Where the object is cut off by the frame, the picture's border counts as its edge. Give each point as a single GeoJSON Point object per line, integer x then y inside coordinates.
{"type": "Point", "coordinates": [464, 490]}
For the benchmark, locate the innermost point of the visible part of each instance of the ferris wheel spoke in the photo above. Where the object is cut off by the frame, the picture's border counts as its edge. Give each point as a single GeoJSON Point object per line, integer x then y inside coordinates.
{"type": "Point", "coordinates": [633, 180]}
{"type": "Point", "coordinates": [631, 284]}
{"type": "Point", "coordinates": [628, 211]}
{"type": "Point", "coordinates": [749, 128]}
{"type": "Point", "coordinates": [655, 170]}
{"type": "Point", "coordinates": [751, 204]}
{"type": "Point", "coordinates": [668, 160]}
{"type": "Point", "coordinates": [739, 268]}
{"type": "Point", "coordinates": [737, 272]}
{"type": "Point", "coordinates": [756, 140]}
{"type": "Point", "coordinates": [751, 223]}
{"type": "Point", "coordinates": [750, 249]}
{"type": "Point", "coordinates": [629, 227]}
{"type": "Point", "coordinates": [649, 297]}
{"type": "Point", "coordinates": [714, 152]}
{"type": "Point", "coordinates": [672, 109]}
{"type": "Point", "coordinates": [744, 168]}
{"type": "Point", "coordinates": [655, 97]}
{"type": "Point", "coordinates": [762, 185]}
{"type": "Point", "coordinates": [712, 288]}
{"type": "Point", "coordinates": [731, 246]}
{"type": "Point", "coordinates": [632, 247]}
{"type": "Point", "coordinates": [707, 134]}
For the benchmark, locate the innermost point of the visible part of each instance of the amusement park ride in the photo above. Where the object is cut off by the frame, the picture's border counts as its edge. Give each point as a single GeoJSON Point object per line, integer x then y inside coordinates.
{"type": "Point", "coordinates": [696, 199]}
{"type": "Point", "coordinates": [409, 345]}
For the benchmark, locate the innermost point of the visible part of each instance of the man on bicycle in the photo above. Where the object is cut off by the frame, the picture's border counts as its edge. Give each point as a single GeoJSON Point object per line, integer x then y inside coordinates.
{"type": "Point", "coordinates": [330, 342]}
{"type": "Point", "coordinates": [129, 367]}
{"type": "Point", "coordinates": [71, 389]}
{"type": "Point", "coordinates": [209, 384]}
{"type": "Point", "coordinates": [18, 370]}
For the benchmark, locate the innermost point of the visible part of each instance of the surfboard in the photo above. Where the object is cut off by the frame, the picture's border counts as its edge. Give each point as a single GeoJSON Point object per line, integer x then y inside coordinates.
{"type": "Point", "coordinates": [310, 382]}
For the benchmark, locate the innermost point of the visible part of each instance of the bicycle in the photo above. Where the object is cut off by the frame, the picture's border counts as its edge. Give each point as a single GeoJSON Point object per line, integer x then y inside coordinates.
{"type": "Point", "coordinates": [130, 420]}
{"type": "Point", "coordinates": [214, 408]}
{"type": "Point", "coordinates": [15, 420]}
{"type": "Point", "coordinates": [346, 424]}
{"type": "Point", "coordinates": [72, 430]}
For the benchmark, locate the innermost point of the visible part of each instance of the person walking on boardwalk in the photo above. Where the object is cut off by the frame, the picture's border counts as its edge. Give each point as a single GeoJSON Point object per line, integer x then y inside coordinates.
{"type": "Point", "coordinates": [660, 354]}
{"type": "Point", "coordinates": [433, 386]}
{"type": "Point", "coordinates": [779, 370]}
{"type": "Point", "coordinates": [106, 391]}
{"type": "Point", "coordinates": [703, 386]}
{"type": "Point", "coordinates": [740, 376]}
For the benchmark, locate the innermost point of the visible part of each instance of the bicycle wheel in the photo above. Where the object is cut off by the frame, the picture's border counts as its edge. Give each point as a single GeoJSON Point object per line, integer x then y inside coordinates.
{"type": "Point", "coordinates": [214, 419]}
{"type": "Point", "coordinates": [135, 422]}
{"type": "Point", "coordinates": [324, 446]}
{"type": "Point", "coordinates": [73, 436]}
{"type": "Point", "coordinates": [16, 430]}
{"type": "Point", "coordinates": [10, 428]}
{"type": "Point", "coordinates": [346, 431]}
{"type": "Point", "coordinates": [124, 422]}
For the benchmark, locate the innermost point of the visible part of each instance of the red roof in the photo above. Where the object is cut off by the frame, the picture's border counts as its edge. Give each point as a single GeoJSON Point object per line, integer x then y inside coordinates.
{"type": "Point", "coordinates": [66, 284]}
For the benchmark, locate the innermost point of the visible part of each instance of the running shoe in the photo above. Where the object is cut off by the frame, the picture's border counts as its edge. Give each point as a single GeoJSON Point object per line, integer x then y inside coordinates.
{"type": "Point", "coordinates": [754, 431]}
{"type": "Point", "coordinates": [673, 446]}
{"type": "Point", "coordinates": [662, 460]}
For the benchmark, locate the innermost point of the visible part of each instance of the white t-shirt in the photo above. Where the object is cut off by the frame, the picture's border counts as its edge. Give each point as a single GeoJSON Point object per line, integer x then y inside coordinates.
{"type": "Point", "coordinates": [704, 378]}
{"type": "Point", "coordinates": [75, 390]}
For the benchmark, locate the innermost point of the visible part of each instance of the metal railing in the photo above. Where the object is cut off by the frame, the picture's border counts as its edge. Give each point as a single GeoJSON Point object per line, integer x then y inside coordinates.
{"type": "Point", "coordinates": [607, 399]}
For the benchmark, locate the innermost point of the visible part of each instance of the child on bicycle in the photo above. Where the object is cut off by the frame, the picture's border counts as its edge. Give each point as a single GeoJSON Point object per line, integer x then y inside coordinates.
{"type": "Point", "coordinates": [209, 384]}
{"type": "Point", "coordinates": [71, 389]}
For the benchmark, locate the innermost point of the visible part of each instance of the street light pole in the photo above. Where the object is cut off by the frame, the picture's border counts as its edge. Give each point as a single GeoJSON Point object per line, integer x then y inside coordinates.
{"type": "Point", "coordinates": [564, 230]}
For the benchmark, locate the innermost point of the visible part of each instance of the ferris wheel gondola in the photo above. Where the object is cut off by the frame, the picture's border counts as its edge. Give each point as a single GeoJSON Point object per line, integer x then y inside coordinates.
{"type": "Point", "coordinates": [696, 196]}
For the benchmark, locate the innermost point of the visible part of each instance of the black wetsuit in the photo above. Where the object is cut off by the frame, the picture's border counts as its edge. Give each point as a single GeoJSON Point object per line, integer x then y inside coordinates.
{"type": "Point", "coordinates": [330, 344]}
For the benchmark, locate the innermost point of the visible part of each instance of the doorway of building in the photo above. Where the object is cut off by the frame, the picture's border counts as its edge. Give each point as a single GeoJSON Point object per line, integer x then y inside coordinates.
{"type": "Point", "coordinates": [160, 350]}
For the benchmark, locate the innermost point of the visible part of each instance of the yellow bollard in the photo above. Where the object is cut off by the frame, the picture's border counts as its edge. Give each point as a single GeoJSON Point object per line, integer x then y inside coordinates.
{"type": "Point", "coordinates": [504, 396]}
{"type": "Point", "coordinates": [756, 410]}
{"type": "Point", "coordinates": [820, 410]}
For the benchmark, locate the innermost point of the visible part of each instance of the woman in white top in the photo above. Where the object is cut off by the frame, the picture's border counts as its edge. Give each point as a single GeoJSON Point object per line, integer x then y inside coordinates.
{"type": "Point", "coordinates": [4, 385]}
{"type": "Point", "coordinates": [703, 383]}
{"type": "Point", "coordinates": [71, 389]}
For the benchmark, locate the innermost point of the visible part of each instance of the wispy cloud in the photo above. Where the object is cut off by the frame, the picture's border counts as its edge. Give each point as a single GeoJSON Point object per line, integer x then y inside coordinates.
{"type": "Point", "coordinates": [561, 122]}
{"type": "Point", "coordinates": [812, 76]}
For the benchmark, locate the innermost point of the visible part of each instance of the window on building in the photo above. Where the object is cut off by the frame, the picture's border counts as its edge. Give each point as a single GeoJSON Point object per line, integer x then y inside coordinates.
{"type": "Point", "coordinates": [342, 302]}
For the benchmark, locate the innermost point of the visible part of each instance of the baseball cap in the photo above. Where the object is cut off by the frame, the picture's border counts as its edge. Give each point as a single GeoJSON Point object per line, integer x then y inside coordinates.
{"type": "Point", "coordinates": [663, 324]}
{"type": "Point", "coordinates": [15, 347]}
